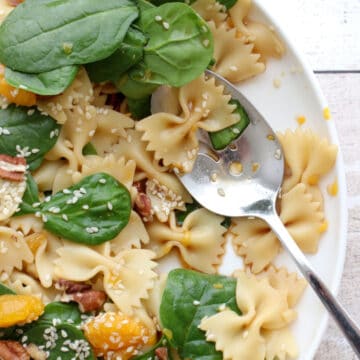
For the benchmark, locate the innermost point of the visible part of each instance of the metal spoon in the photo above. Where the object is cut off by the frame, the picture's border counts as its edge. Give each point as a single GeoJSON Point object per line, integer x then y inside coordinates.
{"type": "Point", "coordinates": [218, 185]}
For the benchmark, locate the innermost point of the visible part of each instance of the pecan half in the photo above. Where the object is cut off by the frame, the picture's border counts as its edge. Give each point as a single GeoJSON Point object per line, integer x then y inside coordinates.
{"type": "Point", "coordinates": [71, 287]}
{"type": "Point", "coordinates": [89, 300]}
{"type": "Point", "coordinates": [12, 168]}
{"type": "Point", "coordinates": [162, 353]}
{"type": "Point", "coordinates": [12, 350]}
{"type": "Point", "coordinates": [143, 205]}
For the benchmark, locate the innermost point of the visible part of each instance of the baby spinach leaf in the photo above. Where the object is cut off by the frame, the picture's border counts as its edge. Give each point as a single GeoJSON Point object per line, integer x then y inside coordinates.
{"type": "Point", "coordinates": [5, 290]}
{"type": "Point", "coordinates": [30, 197]}
{"type": "Point", "coordinates": [135, 89]}
{"type": "Point", "coordinates": [92, 211]}
{"type": "Point", "coordinates": [222, 138]}
{"type": "Point", "coordinates": [39, 36]}
{"type": "Point", "coordinates": [28, 133]}
{"type": "Point", "coordinates": [180, 45]}
{"type": "Point", "coordinates": [51, 82]}
{"type": "Point", "coordinates": [129, 53]}
{"type": "Point", "coordinates": [151, 354]}
{"type": "Point", "coordinates": [144, 5]}
{"type": "Point", "coordinates": [139, 108]}
{"type": "Point", "coordinates": [89, 149]}
{"type": "Point", "coordinates": [56, 332]}
{"type": "Point", "coordinates": [187, 298]}
{"type": "Point", "coordinates": [227, 3]}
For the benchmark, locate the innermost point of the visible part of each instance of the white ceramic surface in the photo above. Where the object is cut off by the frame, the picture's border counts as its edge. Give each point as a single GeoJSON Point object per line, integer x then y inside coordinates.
{"type": "Point", "coordinates": [298, 94]}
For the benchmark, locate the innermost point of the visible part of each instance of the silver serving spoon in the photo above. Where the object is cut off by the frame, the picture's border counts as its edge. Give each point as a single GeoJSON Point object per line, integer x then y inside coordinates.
{"type": "Point", "coordinates": [225, 183]}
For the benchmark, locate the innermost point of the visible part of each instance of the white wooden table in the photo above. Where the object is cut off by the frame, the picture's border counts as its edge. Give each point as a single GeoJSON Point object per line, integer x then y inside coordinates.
{"type": "Point", "coordinates": [328, 32]}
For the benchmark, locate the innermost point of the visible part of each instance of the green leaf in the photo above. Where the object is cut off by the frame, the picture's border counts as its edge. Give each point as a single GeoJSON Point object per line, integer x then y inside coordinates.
{"type": "Point", "coordinates": [222, 138]}
{"type": "Point", "coordinates": [151, 355]}
{"type": "Point", "coordinates": [30, 197]}
{"type": "Point", "coordinates": [56, 330]}
{"type": "Point", "coordinates": [135, 89]}
{"type": "Point", "coordinates": [144, 5]}
{"type": "Point", "coordinates": [180, 45]}
{"type": "Point", "coordinates": [52, 82]}
{"type": "Point", "coordinates": [139, 108]}
{"type": "Point", "coordinates": [180, 315]}
{"type": "Point", "coordinates": [43, 35]}
{"type": "Point", "coordinates": [5, 290]}
{"type": "Point", "coordinates": [92, 211]}
{"type": "Point", "coordinates": [227, 3]}
{"type": "Point", "coordinates": [129, 53]}
{"type": "Point", "coordinates": [30, 134]}
{"type": "Point", "coordinates": [89, 149]}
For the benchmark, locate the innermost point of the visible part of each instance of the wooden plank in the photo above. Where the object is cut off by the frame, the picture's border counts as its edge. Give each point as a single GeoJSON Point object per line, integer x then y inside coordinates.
{"type": "Point", "coordinates": [343, 94]}
{"type": "Point", "coordinates": [328, 32]}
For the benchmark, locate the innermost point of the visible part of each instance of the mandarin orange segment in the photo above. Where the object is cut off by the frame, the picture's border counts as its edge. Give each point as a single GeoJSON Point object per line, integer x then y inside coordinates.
{"type": "Point", "coordinates": [14, 95]}
{"type": "Point", "coordinates": [35, 240]}
{"type": "Point", "coordinates": [19, 309]}
{"type": "Point", "coordinates": [117, 332]}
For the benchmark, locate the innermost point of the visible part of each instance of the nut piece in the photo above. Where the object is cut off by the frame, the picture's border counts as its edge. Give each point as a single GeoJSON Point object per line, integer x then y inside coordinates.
{"type": "Point", "coordinates": [12, 350]}
{"type": "Point", "coordinates": [162, 353]}
{"type": "Point", "coordinates": [12, 184]}
{"type": "Point", "coordinates": [143, 205]}
{"type": "Point", "coordinates": [89, 300]}
{"type": "Point", "coordinates": [72, 287]}
{"type": "Point", "coordinates": [12, 168]}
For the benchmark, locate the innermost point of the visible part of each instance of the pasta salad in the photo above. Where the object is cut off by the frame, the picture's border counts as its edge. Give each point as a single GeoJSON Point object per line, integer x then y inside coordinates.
{"type": "Point", "coordinates": [102, 104]}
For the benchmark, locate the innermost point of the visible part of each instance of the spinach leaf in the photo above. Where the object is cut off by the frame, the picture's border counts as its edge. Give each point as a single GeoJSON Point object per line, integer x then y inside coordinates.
{"type": "Point", "coordinates": [29, 134]}
{"type": "Point", "coordinates": [151, 355]}
{"type": "Point", "coordinates": [222, 138]}
{"type": "Point", "coordinates": [51, 82]}
{"type": "Point", "coordinates": [144, 5]}
{"type": "Point", "coordinates": [139, 108]}
{"type": "Point", "coordinates": [5, 290]}
{"type": "Point", "coordinates": [56, 332]}
{"type": "Point", "coordinates": [180, 315]}
{"type": "Point", "coordinates": [135, 89]}
{"type": "Point", "coordinates": [179, 49]}
{"type": "Point", "coordinates": [129, 53]}
{"type": "Point", "coordinates": [89, 149]}
{"type": "Point", "coordinates": [227, 3]}
{"type": "Point", "coordinates": [92, 211]}
{"type": "Point", "coordinates": [30, 197]}
{"type": "Point", "coordinates": [39, 36]}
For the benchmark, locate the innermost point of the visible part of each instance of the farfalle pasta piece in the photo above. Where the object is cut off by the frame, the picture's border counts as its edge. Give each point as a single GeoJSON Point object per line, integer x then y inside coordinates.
{"type": "Point", "coordinates": [122, 170]}
{"type": "Point", "coordinates": [210, 10]}
{"type": "Point", "coordinates": [124, 282]}
{"type": "Point", "coordinates": [173, 138]}
{"type": "Point", "coordinates": [26, 224]}
{"type": "Point", "coordinates": [235, 58]}
{"type": "Point", "coordinates": [264, 310]}
{"type": "Point", "coordinates": [265, 41]}
{"type": "Point", "coordinates": [134, 148]}
{"type": "Point", "coordinates": [200, 239]}
{"type": "Point", "coordinates": [282, 280]}
{"type": "Point", "coordinates": [302, 217]}
{"type": "Point", "coordinates": [13, 250]}
{"type": "Point", "coordinates": [307, 155]}
{"type": "Point", "coordinates": [133, 235]}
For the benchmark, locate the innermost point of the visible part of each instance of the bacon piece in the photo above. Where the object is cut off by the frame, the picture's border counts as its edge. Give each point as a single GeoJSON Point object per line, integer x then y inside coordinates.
{"type": "Point", "coordinates": [12, 350]}
{"type": "Point", "coordinates": [12, 175]}
{"type": "Point", "coordinates": [72, 287]}
{"type": "Point", "coordinates": [143, 205]}
{"type": "Point", "coordinates": [90, 300]}
{"type": "Point", "coordinates": [162, 353]}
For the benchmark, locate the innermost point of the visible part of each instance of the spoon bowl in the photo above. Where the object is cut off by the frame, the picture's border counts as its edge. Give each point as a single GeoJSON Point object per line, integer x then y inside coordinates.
{"type": "Point", "coordinates": [244, 179]}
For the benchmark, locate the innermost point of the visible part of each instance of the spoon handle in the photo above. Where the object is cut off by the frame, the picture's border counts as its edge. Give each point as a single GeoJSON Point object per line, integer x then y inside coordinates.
{"type": "Point", "coordinates": [341, 317]}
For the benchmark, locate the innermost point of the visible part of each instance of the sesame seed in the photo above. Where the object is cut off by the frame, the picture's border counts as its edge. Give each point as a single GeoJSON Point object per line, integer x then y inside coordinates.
{"type": "Point", "coordinates": [91, 133]}
{"type": "Point", "coordinates": [64, 216]}
{"type": "Point", "coordinates": [233, 68]}
{"type": "Point", "coordinates": [66, 191]}
{"type": "Point", "coordinates": [102, 181]}
{"type": "Point", "coordinates": [85, 207]}
{"type": "Point", "coordinates": [206, 42]}
{"type": "Point", "coordinates": [158, 18]}
{"type": "Point", "coordinates": [165, 25]}
{"type": "Point", "coordinates": [277, 154]}
{"type": "Point", "coordinates": [196, 302]}
{"type": "Point", "coordinates": [109, 205]}
{"type": "Point", "coordinates": [221, 191]}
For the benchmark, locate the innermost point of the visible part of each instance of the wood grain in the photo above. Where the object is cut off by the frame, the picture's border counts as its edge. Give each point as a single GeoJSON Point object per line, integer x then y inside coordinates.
{"type": "Point", "coordinates": [328, 32]}
{"type": "Point", "coordinates": [343, 94]}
